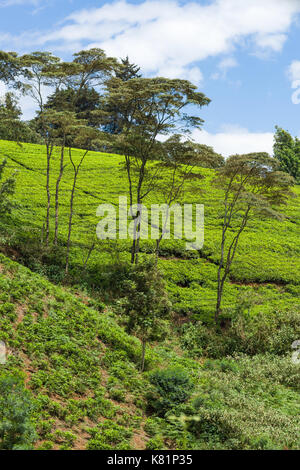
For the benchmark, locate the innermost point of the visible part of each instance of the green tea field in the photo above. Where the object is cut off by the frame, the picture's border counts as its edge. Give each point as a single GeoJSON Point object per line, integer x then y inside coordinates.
{"type": "Point", "coordinates": [266, 266]}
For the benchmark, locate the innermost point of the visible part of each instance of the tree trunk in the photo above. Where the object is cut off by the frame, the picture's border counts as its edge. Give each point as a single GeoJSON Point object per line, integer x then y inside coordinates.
{"type": "Point", "coordinates": [88, 256]}
{"type": "Point", "coordinates": [48, 195]}
{"type": "Point", "coordinates": [143, 355]}
{"type": "Point", "coordinates": [70, 224]}
{"type": "Point", "coordinates": [136, 239]}
{"type": "Point", "coordinates": [219, 302]}
{"type": "Point", "coordinates": [157, 251]}
{"type": "Point", "coordinates": [76, 171]}
{"type": "Point", "coordinates": [57, 193]}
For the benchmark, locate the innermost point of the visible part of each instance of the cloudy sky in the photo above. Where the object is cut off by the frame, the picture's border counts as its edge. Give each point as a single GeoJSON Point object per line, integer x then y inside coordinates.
{"type": "Point", "coordinates": [244, 55]}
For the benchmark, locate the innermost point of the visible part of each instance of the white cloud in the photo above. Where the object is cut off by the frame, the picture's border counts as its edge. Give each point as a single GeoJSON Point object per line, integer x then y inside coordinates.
{"type": "Point", "coordinates": [236, 140]}
{"type": "Point", "coordinates": [294, 72]}
{"type": "Point", "coordinates": [225, 64]}
{"type": "Point", "coordinates": [169, 38]}
{"type": "Point", "coordinates": [273, 41]}
{"type": "Point", "coordinates": [294, 76]}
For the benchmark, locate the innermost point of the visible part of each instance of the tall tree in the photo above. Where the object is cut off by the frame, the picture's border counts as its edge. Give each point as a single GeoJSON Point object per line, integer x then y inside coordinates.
{"type": "Point", "coordinates": [287, 152]}
{"type": "Point", "coordinates": [251, 184]}
{"type": "Point", "coordinates": [89, 69]}
{"type": "Point", "coordinates": [84, 103]}
{"type": "Point", "coordinates": [11, 126]}
{"type": "Point", "coordinates": [147, 109]}
{"type": "Point", "coordinates": [79, 83]}
{"type": "Point", "coordinates": [63, 127]}
{"type": "Point", "coordinates": [37, 66]}
{"type": "Point", "coordinates": [146, 303]}
{"type": "Point", "coordinates": [85, 138]}
{"type": "Point", "coordinates": [124, 70]}
{"type": "Point", "coordinates": [11, 69]}
{"type": "Point", "coordinates": [181, 160]}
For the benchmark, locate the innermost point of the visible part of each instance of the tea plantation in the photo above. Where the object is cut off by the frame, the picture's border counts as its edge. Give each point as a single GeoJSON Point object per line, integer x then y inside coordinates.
{"type": "Point", "coordinates": [267, 263]}
{"type": "Point", "coordinates": [76, 368]}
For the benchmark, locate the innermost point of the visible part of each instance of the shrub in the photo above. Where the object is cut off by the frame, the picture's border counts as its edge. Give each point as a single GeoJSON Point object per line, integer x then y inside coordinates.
{"type": "Point", "coordinates": [250, 334]}
{"type": "Point", "coordinates": [171, 387]}
{"type": "Point", "coordinates": [16, 408]}
{"type": "Point", "coordinates": [156, 443]}
{"type": "Point", "coordinates": [109, 435]}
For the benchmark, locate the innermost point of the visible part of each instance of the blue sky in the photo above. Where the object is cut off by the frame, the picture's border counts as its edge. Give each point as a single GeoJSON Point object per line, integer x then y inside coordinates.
{"type": "Point", "coordinates": [244, 55]}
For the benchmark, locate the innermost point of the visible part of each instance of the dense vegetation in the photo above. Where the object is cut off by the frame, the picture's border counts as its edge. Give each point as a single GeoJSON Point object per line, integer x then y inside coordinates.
{"type": "Point", "coordinates": [237, 388]}
{"type": "Point", "coordinates": [129, 343]}
{"type": "Point", "coordinates": [266, 270]}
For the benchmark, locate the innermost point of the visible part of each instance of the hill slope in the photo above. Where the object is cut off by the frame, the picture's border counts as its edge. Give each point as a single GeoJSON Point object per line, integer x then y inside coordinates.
{"type": "Point", "coordinates": [81, 368]}
{"type": "Point", "coordinates": [266, 266]}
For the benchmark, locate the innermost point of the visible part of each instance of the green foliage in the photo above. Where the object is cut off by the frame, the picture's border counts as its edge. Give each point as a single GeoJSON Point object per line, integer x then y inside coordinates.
{"type": "Point", "coordinates": [251, 183]}
{"type": "Point", "coordinates": [240, 407]}
{"type": "Point", "coordinates": [249, 334]}
{"type": "Point", "coordinates": [266, 260]}
{"type": "Point", "coordinates": [63, 342]}
{"type": "Point", "coordinates": [17, 431]}
{"type": "Point", "coordinates": [146, 302]}
{"type": "Point", "coordinates": [287, 152]}
{"type": "Point", "coordinates": [156, 443]}
{"type": "Point", "coordinates": [171, 387]}
{"type": "Point", "coordinates": [7, 188]}
{"type": "Point", "coordinates": [11, 127]}
{"type": "Point", "coordinates": [109, 436]}
{"type": "Point", "coordinates": [76, 353]}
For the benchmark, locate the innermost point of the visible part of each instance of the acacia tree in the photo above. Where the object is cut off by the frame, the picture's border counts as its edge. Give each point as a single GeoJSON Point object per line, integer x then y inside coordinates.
{"type": "Point", "coordinates": [147, 109]}
{"type": "Point", "coordinates": [63, 127]}
{"type": "Point", "coordinates": [88, 70]}
{"type": "Point", "coordinates": [84, 137]}
{"type": "Point", "coordinates": [125, 70]}
{"type": "Point", "coordinates": [11, 70]}
{"type": "Point", "coordinates": [180, 163]}
{"type": "Point", "coordinates": [35, 68]}
{"type": "Point", "coordinates": [251, 184]}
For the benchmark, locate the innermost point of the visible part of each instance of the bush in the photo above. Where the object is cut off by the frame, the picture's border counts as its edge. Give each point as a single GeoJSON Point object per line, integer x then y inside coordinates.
{"type": "Point", "coordinates": [156, 443]}
{"type": "Point", "coordinates": [108, 436]}
{"type": "Point", "coordinates": [250, 334]}
{"type": "Point", "coordinates": [16, 408]}
{"type": "Point", "coordinates": [171, 387]}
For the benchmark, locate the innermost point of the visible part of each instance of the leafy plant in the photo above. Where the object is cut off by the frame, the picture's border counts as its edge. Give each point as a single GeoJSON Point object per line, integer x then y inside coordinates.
{"type": "Point", "coordinates": [17, 430]}
{"type": "Point", "coordinates": [171, 387]}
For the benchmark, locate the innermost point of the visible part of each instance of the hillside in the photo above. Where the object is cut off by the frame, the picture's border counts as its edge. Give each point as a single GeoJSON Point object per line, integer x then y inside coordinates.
{"type": "Point", "coordinates": [202, 389]}
{"type": "Point", "coordinates": [81, 367]}
{"type": "Point", "coordinates": [267, 262]}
